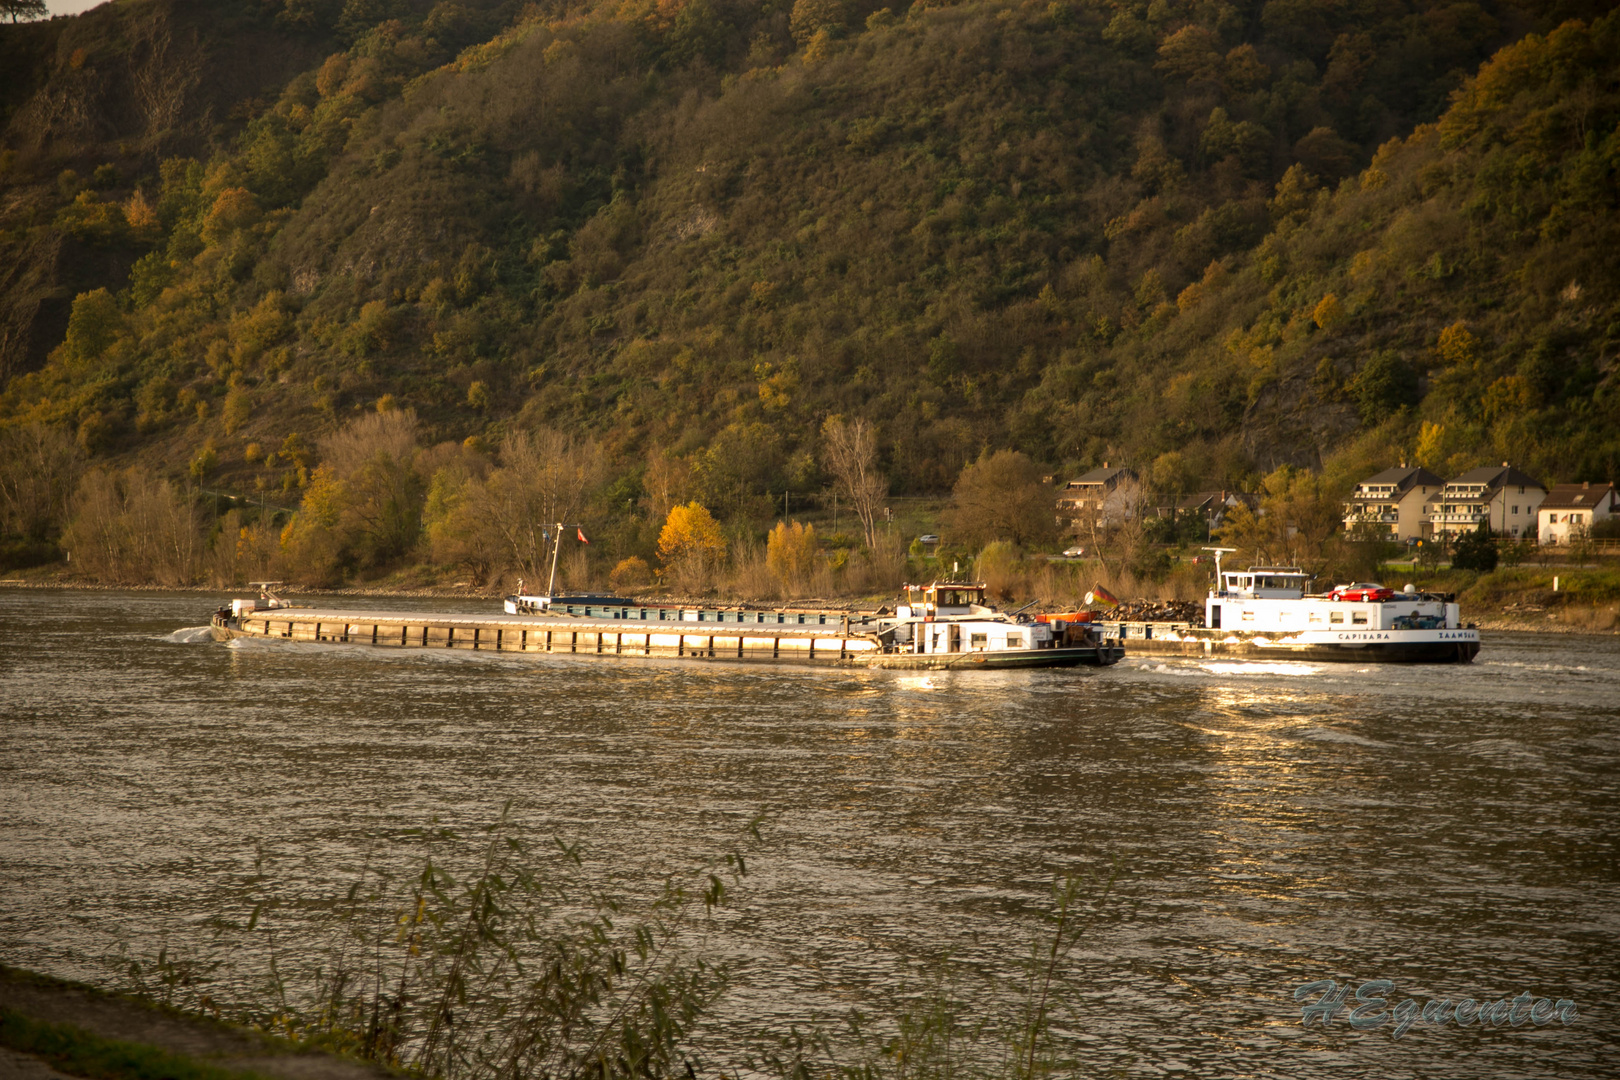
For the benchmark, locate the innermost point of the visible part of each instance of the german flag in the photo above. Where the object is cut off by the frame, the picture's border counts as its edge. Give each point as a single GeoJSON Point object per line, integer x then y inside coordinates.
{"type": "Point", "coordinates": [1101, 597]}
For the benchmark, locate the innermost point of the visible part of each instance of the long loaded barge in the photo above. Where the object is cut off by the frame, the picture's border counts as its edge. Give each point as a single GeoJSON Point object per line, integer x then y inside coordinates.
{"type": "Point", "coordinates": [946, 625]}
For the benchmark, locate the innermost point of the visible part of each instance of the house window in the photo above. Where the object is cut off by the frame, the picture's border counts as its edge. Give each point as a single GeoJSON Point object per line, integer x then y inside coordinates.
{"type": "Point", "coordinates": [1515, 508]}
{"type": "Point", "coordinates": [1336, 617]}
{"type": "Point", "coordinates": [1358, 618]}
{"type": "Point", "coordinates": [978, 641]}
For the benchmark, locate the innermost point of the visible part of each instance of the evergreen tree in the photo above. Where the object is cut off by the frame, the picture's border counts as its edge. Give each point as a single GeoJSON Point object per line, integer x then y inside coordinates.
{"type": "Point", "coordinates": [1475, 551]}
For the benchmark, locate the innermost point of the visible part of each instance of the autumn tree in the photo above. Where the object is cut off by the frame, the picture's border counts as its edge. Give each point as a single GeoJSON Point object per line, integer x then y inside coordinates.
{"type": "Point", "coordinates": [630, 573]}
{"type": "Point", "coordinates": [1299, 512]}
{"type": "Point", "coordinates": [790, 553]}
{"type": "Point", "coordinates": [1002, 496]}
{"type": "Point", "coordinates": [850, 448]}
{"type": "Point", "coordinates": [810, 17]}
{"type": "Point", "coordinates": [372, 460]}
{"type": "Point", "coordinates": [312, 543]}
{"type": "Point", "coordinates": [691, 545]}
{"type": "Point", "coordinates": [450, 512]}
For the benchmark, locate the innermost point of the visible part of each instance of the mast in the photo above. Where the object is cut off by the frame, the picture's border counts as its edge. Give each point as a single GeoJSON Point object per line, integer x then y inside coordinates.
{"type": "Point", "coordinates": [556, 544]}
{"type": "Point", "coordinates": [1220, 582]}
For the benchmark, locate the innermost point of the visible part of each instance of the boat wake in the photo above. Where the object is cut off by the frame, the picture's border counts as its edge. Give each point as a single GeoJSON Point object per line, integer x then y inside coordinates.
{"type": "Point", "coordinates": [190, 635]}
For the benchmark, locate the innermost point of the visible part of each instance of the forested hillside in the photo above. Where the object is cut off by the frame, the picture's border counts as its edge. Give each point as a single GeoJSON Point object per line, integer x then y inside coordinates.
{"type": "Point", "coordinates": [1204, 239]}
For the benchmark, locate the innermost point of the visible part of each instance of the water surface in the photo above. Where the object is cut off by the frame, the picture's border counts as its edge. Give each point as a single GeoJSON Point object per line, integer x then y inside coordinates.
{"type": "Point", "coordinates": [1453, 829]}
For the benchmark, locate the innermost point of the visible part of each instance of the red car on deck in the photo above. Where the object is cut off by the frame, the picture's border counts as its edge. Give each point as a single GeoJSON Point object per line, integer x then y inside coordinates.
{"type": "Point", "coordinates": [1363, 591]}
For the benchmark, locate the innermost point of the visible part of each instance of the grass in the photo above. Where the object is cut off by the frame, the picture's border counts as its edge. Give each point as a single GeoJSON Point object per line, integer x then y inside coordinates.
{"type": "Point", "coordinates": [78, 1052]}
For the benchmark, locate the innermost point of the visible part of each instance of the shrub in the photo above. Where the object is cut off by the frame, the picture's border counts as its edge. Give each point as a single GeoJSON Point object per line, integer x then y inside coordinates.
{"type": "Point", "coordinates": [1475, 551]}
{"type": "Point", "coordinates": [631, 573]}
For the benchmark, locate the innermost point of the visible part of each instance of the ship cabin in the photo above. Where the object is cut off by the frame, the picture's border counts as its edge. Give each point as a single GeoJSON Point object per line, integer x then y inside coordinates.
{"type": "Point", "coordinates": [943, 599]}
{"type": "Point", "coordinates": [952, 617]}
{"type": "Point", "coordinates": [1265, 583]}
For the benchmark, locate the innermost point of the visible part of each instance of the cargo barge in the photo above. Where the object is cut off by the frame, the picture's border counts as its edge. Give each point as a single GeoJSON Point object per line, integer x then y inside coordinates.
{"type": "Point", "coordinates": [943, 626]}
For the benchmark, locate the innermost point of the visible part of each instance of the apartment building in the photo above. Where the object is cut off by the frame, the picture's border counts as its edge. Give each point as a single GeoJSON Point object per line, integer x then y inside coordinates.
{"type": "Point", "coordinates": [1504, 499]}
{"type": "Point", "coordinates": [1393, 503]}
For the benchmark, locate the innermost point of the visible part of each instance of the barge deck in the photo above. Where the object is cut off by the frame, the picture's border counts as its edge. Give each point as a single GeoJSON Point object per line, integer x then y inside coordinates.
{"type": "Point", "coordinates": [833, 644]}
{"type": "Point", "coordinates": [820, 644]}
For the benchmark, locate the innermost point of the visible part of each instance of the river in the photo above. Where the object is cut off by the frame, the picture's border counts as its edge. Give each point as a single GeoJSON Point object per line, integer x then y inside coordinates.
{"type": "Point", "coordinates": [1451, 829]}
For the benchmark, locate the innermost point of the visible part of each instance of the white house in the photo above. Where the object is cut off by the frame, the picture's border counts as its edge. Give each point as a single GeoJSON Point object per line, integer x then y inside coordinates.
{"type": "Point", "coordinates": [1570, 510]}
{"type": "Point", "coordinates": [1503, 499]}
{"type": "Point", "coordinates": [1394, 503]}
{"type": "Point", "coordinates": [1100, 499]}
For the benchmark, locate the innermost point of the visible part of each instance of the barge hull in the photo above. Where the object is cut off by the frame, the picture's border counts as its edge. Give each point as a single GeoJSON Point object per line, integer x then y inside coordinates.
{"type": "Point", "coordinates": [1448, 646]}
{"type": "Point", "coordinates": [1079, 656]}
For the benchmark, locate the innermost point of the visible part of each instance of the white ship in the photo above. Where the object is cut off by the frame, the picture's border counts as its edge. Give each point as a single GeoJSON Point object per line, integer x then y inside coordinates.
{"type": "Point", "coordinates": [1267, 611]}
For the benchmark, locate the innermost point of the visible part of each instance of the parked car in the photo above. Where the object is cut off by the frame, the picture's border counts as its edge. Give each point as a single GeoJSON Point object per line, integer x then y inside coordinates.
{"type": "Point", "coordinates": [1362, 591]}
{"type": "Point", "coordinates": [928, 538]}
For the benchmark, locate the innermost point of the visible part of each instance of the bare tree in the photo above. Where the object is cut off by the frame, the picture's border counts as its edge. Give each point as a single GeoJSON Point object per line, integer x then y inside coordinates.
{"type": "Point", "coordinates": [161, 73]}
{"type": "Point", "coordinates": [850, 448]}
{"type": "Point", "coordinates": [545, 477]}
{"type": "Point", "coordinates": [132, 527]}
{"type": "Point", "coordinates": [1125, 529]}
{"type": "Point", "coordinates": [39, 468]}
{"type": "Point", "coordinates": [667, 483]}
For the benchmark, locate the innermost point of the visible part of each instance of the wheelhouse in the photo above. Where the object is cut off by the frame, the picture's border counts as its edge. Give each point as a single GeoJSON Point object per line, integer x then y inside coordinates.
{"type": "Point", "coordinates": [1266, 583]}
{"type": "Point", "coordinates": [943, 598]}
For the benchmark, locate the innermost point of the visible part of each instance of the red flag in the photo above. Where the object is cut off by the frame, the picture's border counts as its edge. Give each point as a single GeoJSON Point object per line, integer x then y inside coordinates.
{"type": "Point", "coordinates": [581, 533]}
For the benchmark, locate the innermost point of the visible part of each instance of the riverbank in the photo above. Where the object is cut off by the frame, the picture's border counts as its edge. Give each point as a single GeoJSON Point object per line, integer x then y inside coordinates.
{"type": "Point", "coordinates": [1519, 599]}
{"type": "Point", "coordinates": [52, 1028]}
